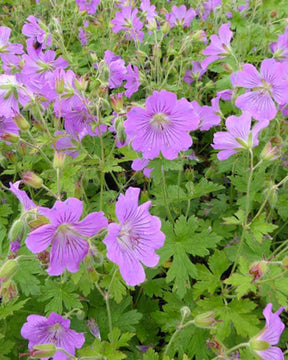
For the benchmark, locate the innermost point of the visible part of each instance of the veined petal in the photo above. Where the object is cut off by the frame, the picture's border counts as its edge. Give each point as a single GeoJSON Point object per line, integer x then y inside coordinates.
{"type": "Point", "coordinates": [67, 251]}
{"type": "Point", "coordinates": [91, 224]}
{"type": "Point", "coordinates": [273, 353]}
{"type": "Point", "coordinates": [39, 239]}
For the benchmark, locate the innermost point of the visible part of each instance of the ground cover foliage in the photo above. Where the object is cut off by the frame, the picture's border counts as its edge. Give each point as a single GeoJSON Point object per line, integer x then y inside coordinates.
{"type": "Point", "coordinates": [144, 206]}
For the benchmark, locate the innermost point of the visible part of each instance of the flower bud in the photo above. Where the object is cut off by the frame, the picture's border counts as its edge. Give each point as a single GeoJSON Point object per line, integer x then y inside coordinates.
{"type": "Point", "coordinates": [81, 84]}
{"type": "Point", "coordinates": [216, 346]}
{"type": "Point", "coordinates": [8, 291]}
{"type": "Point", "coordinates": [259, 345]}
{"type": "Point", "coordinates": [185, 312]}
{"type": "Point", "coordinates": [165, 28]}
{"type": "Point", "coordinates": [59, 86]}
{"type": "Point", "coordinates": [269, 153]}
{"type": "Point", "coordinates": [258, 269]}
{"type": "Point", "coordinates": [227, 68]}
{"type": "Point", "coordinates": [32, 179]}
{"type": "Point", "coordinates": [157, 53]}
{"type": "Point", "coordinates": [94, 328]}
{"type": "Point", "coordinates": [10, 137]}
{"type": "Point", "coordinates": [117, 102]}
{"type": "Point", "coordinates": [7, 270]}
{"type": "Point", "coordinates": [205, 320]}
{"type": "Point", "coordinates": [21, 122]}
{"type": "Point", "coordinates": [59, 160]}
{"type": "Point", "coordinates": [38, 221]}
{"type": "Point", "coordinates": [80, 314]}
{"type": "Point", "coordinates": [17, 230]}
{"type": "Point", "coordinates": [44, 350]}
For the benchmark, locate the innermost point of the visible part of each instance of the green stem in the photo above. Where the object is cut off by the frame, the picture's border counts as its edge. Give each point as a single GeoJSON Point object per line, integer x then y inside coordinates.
{"type": "Point", "coordinates": [164, 190]}
{"type": "Point", "coordinates": [180, 327]}
{"type": "Point", "coordinates": [106, 298]}
{"type": "Point", "coordinates": [49, 191]}
{"type": "Point", "coordinates": [232, 349]}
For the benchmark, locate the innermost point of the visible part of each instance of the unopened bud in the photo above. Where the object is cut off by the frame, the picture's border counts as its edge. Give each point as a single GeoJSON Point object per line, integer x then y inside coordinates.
{"type": "Point", "coordinates": [259, 345]}
{"type": "Point", "coordinates": [17, 230]}
{"type": "Point", "coordinates": [216, 346]}
{"type": "Point", "coordinates": [39, 221]}
{"type": "Point", "coordinates": [205, 320]}
{"type": "Point", "coordinates": [7, 270]}
{"type": "Point", "coordinates": [60, 86]}
{"type": "Point", "coordinates": [8, 291]}
{"type": "Point", "coordinates": [80, 314]}
{"type": "Point", "coordinates": [81, 84]}
{"type": "Point", "coordinates": [117, 102]}
{"type": "Point", "coordinates": [21, 122]}
{"type": "Point", "coordinates": [10, 137]}
{"type": "Point", "coordinates": [59, 160]}
{"type": "Point", "coordinates": [157, 53]}
{"type": "Point", "coordinates": [273, 14]}
{"type": "Point", "coordinates": [227, 68]}
{"type": "Point", "coordinates": [258, 270]}
{"type": "Point", "coordinates": [185, 312]}
{"type": "Point", "coordinates": [32, 179]}
{"type": "Point", "coordinates": [43, 351]}
{"type": "Point", "coordinates": [165, 28]}
{"type": "Point", "coordinates": [269, 153]}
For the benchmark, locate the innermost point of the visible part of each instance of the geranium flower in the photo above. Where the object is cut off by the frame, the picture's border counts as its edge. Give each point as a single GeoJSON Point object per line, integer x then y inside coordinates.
{"type": "Point", "coordinates": [220, 45]}
{"type": "Point", "coordinates": [117, 69]}
{"type": "Point", "coordinates": [89, 5]}
{"type": "Point", "coordinates": [132, 80]}
{"type": "Point", "coordinates": [135, 239]}
{"type": "Point", "coordinates": [238, 137]}
{"type": "Point", "coordinates": [180, 16]}
{"type": "Point", "coordinates": [263, 88]}
{"type": "Point", "coordinates": [280, 47]}
{"type": "Point", "coordinates": [162, 126]}
{"type": "Point", "coordinates": [128, 21]}
{"type": "Point", "coordinates": [263, 343]}
{"type": "Point", "coordinates": [65, 233]}
{"type": "Point", "coordinates": [7, 128]}
{"type": "Point", "coordinates": [54, 330]}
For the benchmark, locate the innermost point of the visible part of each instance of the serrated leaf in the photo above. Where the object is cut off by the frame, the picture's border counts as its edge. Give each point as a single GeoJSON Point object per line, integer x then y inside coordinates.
{"type": "Point", "coordinates": [259, 227]}
{"type": "Point", "coordinates": [60, 296]}
{"type": "Point", "coordinates": [10, 308]}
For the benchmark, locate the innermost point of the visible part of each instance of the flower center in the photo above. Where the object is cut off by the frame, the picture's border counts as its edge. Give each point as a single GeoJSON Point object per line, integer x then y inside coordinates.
{"type": "Point", "coordinates": [160, 121]}
{"type": "Point", "coordinates": [55, 332]}
{"type": "Point", "coordinates": [127, 238]}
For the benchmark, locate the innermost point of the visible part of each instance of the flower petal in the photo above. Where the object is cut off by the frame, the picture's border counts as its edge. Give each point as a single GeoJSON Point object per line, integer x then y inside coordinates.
{"type": "Point", "coordinates": [39, 239]}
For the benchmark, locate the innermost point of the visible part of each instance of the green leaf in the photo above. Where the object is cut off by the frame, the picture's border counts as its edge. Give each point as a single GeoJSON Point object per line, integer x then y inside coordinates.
{"type": "Point", "coordinates": [25, 276]}
{"type": "Point", "coordinates": [191, 237]}
{"type": "Point", "coordinates": [60, 296]}
{"type": "Point", "coordinates": [103, 348]}
{"type": "Point", "coordinates": [151, 355]}
{"type": "Point", "coordinates": [259, 227]}
{"type": "Point", "coordinates": [10, 308]}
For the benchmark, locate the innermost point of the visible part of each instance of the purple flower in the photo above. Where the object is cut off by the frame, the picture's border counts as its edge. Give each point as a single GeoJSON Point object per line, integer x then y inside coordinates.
{"type": "Point", "coordinates": [270, 335]}
{"type": "Point", "coordinates": [263, 88]}
{"type": "Point", "coordinates": [238, 137]}
{"type": "Point", "coordinates": [180, 16]}
{"type": "Point", "coordinates": [198, 70]}
{"type": "Point", "coordinates": [82, 34]}
{"type": "Point", "coordinates": [135, 239]}
{"type": "Point", "coordinates": [65, 144]}
{"type": "Point", "coordinates": [117, 69]}
{"type": "Point", "coordinates": [133, 81]}
{"type": "Point", "coordinates": [35, 33]}
{"type": "Point", "coordinates": [89, 5]}
{"type": "Point", "coordinates": [39, 67]}
{"type": "Point", "coordinates": [21, 195]}
{"type": "Point", "coordinates": [54, 330]}
{"type": "Point", "coordinates": [6, 48]}
{"type": "Point", "coordinates": [128, 21]}
{"type": "Point", "coordinates": [280, 48]}
{"type": "Point", "coordinates": [220, 45]}
{"type": "Point", "coordinates": [209, 116]}
{"type": "Point", "coordinates": [141, 164]}
{"type": "Point", "coordinates": [210, 6]}
{"type": "Point", "coordinates": [149, 10]}
{"type": "Point", "coordinates": [10, 93]}
{"type": "Point", "coordinates": [65, 233]}
{"type": "Point", "coordinates": [15, 245]}
{"type": "Point", "coordinates": [7, 128]}
{"type": "Point", "coordinates": [162, 126]}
